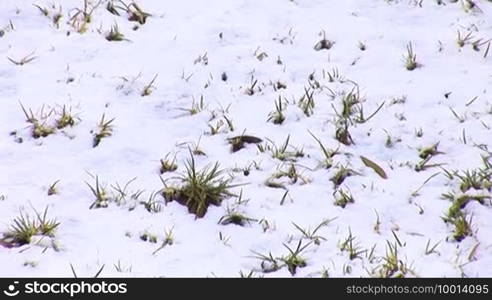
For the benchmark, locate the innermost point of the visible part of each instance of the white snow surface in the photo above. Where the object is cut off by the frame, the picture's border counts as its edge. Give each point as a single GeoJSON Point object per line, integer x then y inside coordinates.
{"type": "Point", "coordinates": [94, 76]}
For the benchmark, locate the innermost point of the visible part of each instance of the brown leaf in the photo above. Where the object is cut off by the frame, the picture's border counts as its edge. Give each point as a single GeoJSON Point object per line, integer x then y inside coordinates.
{"type": "Point", "coordinates": [369, 163]}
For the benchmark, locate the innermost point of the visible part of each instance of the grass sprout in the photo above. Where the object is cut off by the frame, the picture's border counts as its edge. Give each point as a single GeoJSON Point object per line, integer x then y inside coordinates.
{"type": "Point", "coordinates": [149, 88]}
{"type": "Point", "coordinates": [114, 35]}
{"type": "Point", "coordinates": [311, 234]}
{"type": "Point", "coordinates": [462, 227]}
{"type": "Point", "coordinates": [200, 188]}
{"type": "Point", "coordinates": [393, 266]}
{"type": "Point", "coordinates": [236, 218]}
{"type": "Point", "coordinates": [282, 153]}
{"type": "Point", "coordinates": [168, 240]}
{"type": "Point", "coordinates": [168, 165]}
{"type": "Point", "coordinates": [294, 259]}
{"type": "Point", "coordinates": [410, 58]}
{"type": "Point", "coordinates": [324, 43]}
{"type": "Point", "coordinates": [341, 174]}
{"type": "Point", "coordinates": [52, 190]}
{"type": "Point", "coordinates": [39, 126]}
{"type": "Point", "coordinates": [277, 116]}
{"type": "Point", "coordinates": [268, 262]}
{"type": "Point", "coordinates": [24, 60]}
{"type": "Point", "coordinates": [105, 130]}
{"type": "Point", "coordinates": [100, 193]}
{"type": "Point", "coordinates": [66, 118]}
{"type": "Point", "coordinates": [196, 107]}
{"type": "Point", "coordinates": [306, 103]}
{"type": "Point", "coordinates": [349, 245]}
{"type": "Point", "coordinates": [343, 198]}
{"type": "Point", "coordinates": [24, 227]}
{"type": "Point", "coordinates": [328, 154]}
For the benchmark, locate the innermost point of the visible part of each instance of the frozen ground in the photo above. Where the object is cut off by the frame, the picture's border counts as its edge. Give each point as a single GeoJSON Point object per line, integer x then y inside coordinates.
{"type": "Point", "coordinates": [431, 135]}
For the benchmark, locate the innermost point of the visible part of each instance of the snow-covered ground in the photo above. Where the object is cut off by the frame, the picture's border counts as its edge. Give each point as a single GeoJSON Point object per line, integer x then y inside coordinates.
{"type": "Point", "coordinates": [220, 68]}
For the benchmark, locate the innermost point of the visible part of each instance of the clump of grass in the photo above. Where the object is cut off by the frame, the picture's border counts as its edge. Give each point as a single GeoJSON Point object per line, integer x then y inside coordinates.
{"type": "Point", "coordinates": [196, 106]}
{"type": "Point", "coordinates": [342, 133]}
{"type": "Point", "coordinates": [168, 240]}
{"type": "Point", "coordinates": [101, 196]}
{"type": "Point", "coordinates": [334, 75]}
{"type": "Point", "coordinates": [215, 129]}
{"type": "Point", "coordinates": [66, 118]}
{"type": "Point", "coordinates": [410, 58]}
{"type": "Point", "coordinates": [349, 245]}
{"type": "Point", "coordinates": [149, 88]}
{"type": "Point", "coordinates": [199, 188]}
{"type": "Point", "coordinates": [281, 153]}
{"type": "Point", "coordinates": [470, 6]}
{"type": "Point", "coordinates": [152, 205]}
{"type": "Point", "coordinates": [24, 227]}
{"type": "Point", "coordinates": [294, 259]}
{"type": "Point", "coordinates": [328, 154]}
{"type": "Point", "coordinates": [236, 218]}
{"type": "Point", "coordinates": [343, 198]}
{"type": "Point", "coordinates": [135, 13]}
{"type": "Point", "coordinates": [251, 89]}
{"type": "Point", "coordinates": [462, 227]}
{"type": "Point", "coordinates": [196, 150]}
{"type": "Point", "coordinates": [341, 174]}
{"type": "Point", "coordinates": [114, 35]}
{"type": "Point", "coordinates": [21, 231]}
{"type": "Point", "coordinates": [52, 190]}
{"type": "Point", "coordinates": [268, 262]}
{"type": "Point", "coordinates": [349, 100]}
{"type": "Point", "coordinates": [39, 128]}
{"type": "Point", "coordinates": [476, 179]}
{"type": "Point", "coordinates": [105, 130]}
{"type": "Point", "coordinates": [312, 234]}
{"type": "Point", "coordinates": [168, 165]}
{"type": "Point", "coordinates": [120, 194]}
{"type": "Point", "coordinates": [291, 173]}
{"type": "Point", "coordinates": [324, 43]}
{"type": "Point", "coordinates": [277, 116]}
{"type": "Point", "coordinates": [306, 103]}
{"type": "Point", "coordinates": [393, 266]}
{"type": "Point", "coordinates": [83, 17]}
